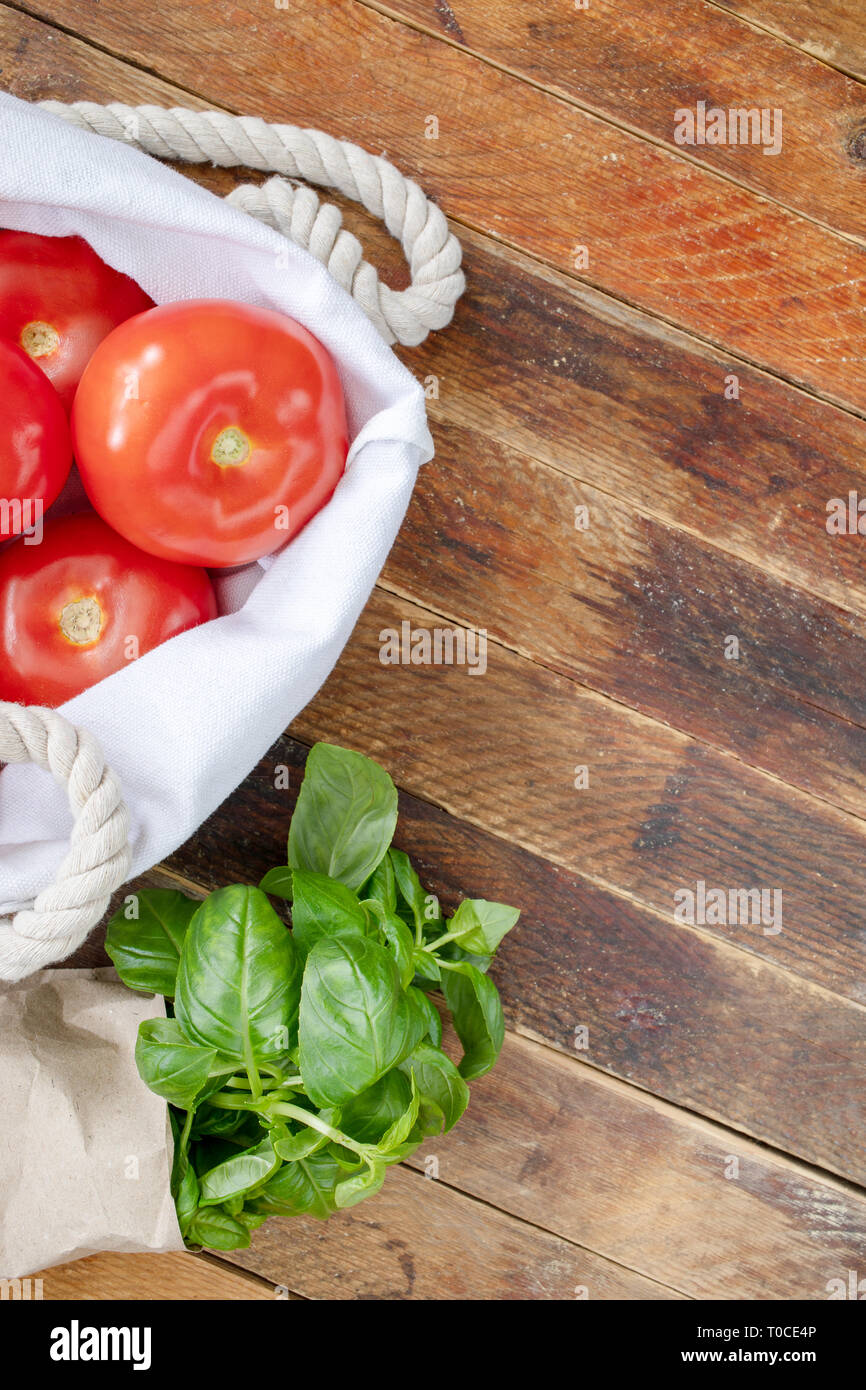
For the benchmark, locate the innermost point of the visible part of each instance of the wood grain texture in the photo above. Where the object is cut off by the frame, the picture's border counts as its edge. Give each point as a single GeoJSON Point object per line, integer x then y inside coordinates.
{"type": "Point", "coordinates": [695, 1207]}
{"type": "Point", "coordinates": [833, 31]}
{"type": "Point", "coordinates": [638, 611]}
{"type": "Point", "coordinates": [660, 813]}
{"type": "Point", "coordinates": [662, 232]}
{"type": "Point", "coordinates": [638, 411]}
{"type": "Point", "coordinates": [636, 65]}
{"type": "Point", "coordinates": [418, 1239]}
{"type": "Point", "coordinates": [150, 1278]}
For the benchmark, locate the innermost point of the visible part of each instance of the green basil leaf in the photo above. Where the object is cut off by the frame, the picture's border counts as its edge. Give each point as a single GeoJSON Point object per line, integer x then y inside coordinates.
{"type": "Point", "coordinates": [215, 1228]}
{"type": "Point", "coordinates": [477, 1012]}
{"type": "Point", "coordinates": [239, 1173]}
{"type": "Point", "coordinates": [187, 1198]}
{"type": "Point", "coordinates": [409, 886]}
{"type": "Point", "coordinates": [370, 1115]}
{"type": "Point", "coordinates": [431, 1015]}
{"type": "Point", "coordinates": [169, 1063]}
{"type": "Point", "coordinates": [145, 950]}
{"type": "Point", "coordinates": [397, 936]}
{"type": "Point", "coordinates": [184, 1182]}
{"type": "Point", "coordinates": [481, 925]}
{"type": "Point", "coordinates": [238, 985]}
{"type": "Point", "coordinates": [346, 1158]}
{"type": "Point", "coordinates": [323, 906]}
{"type": "Point", "coordinates": [402, 1127]}
{"type": "Point", "coordinates": [304, 1188]}
{"type": "Point", "coordinates": [426, 965]}
{"type": "Point", "coordinates": [218, 1123]}
{"type": "Point", "coordinates": [382, 885]}
{"type": "Point", "coordinates": [251, 1219]}
{"type": "Point", "coordinates": [452, 950]}
{"type": "Point", "coordinates": [356, 1021]}
{"type": "Point", "coordinates": [279, 882]}
{"type": "Point", "coordinates": [291, 1147]}
{"type": "Point", "coordinates": [438, 1081]}
{"type": "Point", "coordinates": [345, 816]}
{"type": "Point", "coordinates": [363, 1184]}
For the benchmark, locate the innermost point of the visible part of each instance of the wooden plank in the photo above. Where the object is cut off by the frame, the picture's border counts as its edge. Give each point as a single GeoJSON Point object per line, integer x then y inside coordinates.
{"type": "Point", "coordinates": [691, 1019]}
{"type": "Point", "coordinates": [637, 65]}
{"type": "Point", "coordinates": [683, 1201]}
{"type": "Point", "coordinates": [661, 811]}
{"type": "Point", "coordinates": [638, 411]}
{"type": "Point", "coordinates": [420, 1240]}
{"type": "Point", "coordinates": [833, 31]}
{"type": "Point", "coordinates": [661, 232]}
{"type": "Point", "coordinates": [637, 610]}
{"type": "Point", "coordinates": [151, 1278]}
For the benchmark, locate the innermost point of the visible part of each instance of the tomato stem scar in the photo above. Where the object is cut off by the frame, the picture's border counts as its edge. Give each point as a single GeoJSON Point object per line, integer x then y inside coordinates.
{"type": "Point", "coordinates": [81, 621]}
{"type": "Point", "coordinates": [39, 339]}
{"type": "Point", "coordinates": [231, 447]}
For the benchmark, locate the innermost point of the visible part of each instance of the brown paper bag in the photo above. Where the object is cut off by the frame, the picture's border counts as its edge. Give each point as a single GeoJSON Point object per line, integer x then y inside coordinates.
{"type": "Point", "coordinates": [85, 1147]}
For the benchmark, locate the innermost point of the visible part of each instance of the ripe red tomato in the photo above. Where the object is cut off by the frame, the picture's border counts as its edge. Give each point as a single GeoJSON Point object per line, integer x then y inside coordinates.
{"type": "Point", "coordinates": [58, 300]}
{"type": "Point", "coordinates": [35, 445]}
{"type": "Point", "coordinates": [84, 603]}
{"type": "Point", "coordinates": [210, 432]}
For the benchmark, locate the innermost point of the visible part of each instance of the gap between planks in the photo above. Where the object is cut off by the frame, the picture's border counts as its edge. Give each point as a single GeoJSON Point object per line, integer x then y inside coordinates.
{"type": "Point", "coordinates": [752, 23]}
{"type": "Point", "coordinates": [707, 341]}
{"type": "Point", "coordinates": [607, 310]}
{"type": "Point", "coordinates": [388, 587]}
{"type": "Point", "coordinates": [485, 1202]}
{"type": "Point", "coordinates": [558, 94]}
{"type": "Point", "coordinates": [226, 1266]}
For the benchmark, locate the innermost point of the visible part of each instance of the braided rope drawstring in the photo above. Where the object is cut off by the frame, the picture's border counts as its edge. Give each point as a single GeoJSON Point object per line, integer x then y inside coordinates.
{"type": "Point", "coordinates": [197, 137]}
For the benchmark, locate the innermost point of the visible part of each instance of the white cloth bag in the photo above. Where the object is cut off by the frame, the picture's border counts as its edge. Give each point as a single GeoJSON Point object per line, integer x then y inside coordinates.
{"type": "Point", "coordinates": [185, 724]}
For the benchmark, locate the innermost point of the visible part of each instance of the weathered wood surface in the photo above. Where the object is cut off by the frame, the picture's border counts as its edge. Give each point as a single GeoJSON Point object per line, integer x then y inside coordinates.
{"type": "Point", "coordinates": [150, 1278]}
{"type": "Point", "coordinates": [421, 1239]}
{"type": "Point", "coordinates": [637, 65]}
{"type": "Point", "coordinates": [661, 810]}
{"type": "Point", "coordinates": [527, 167]}
{"type": "Point", "coordinates": [640, 611]}
{"type": "Point", "coordinates": [626, 405]}
{"type": "Point", "coordinates": [608, 1168]}
{"type": "Point", "coordinates": [833, 31]}
{"type": "Point", "coordinates": [682, 1201]}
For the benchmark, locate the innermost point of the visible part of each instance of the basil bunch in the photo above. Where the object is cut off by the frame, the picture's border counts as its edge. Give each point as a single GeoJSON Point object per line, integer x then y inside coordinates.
{"type": "Point", "coordinates": [299, 1064]}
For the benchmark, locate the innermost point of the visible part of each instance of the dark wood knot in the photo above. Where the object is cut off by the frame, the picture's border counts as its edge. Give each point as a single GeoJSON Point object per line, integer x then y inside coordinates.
{"type": "Point", "coordinates": [857, 145]}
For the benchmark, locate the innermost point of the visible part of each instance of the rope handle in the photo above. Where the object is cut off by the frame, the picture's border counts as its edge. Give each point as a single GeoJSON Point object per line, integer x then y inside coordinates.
{"type": "Point", "coordinates": [99, 858]}
{"type": "Point", "coordinates": [432, 251]}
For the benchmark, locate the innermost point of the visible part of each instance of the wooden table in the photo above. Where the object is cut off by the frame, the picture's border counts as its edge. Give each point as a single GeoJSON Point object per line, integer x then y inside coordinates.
{"type": "Point", "coordinates": [652, 389]}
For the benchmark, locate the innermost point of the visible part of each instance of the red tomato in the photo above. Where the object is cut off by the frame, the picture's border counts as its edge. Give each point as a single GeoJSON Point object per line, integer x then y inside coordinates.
{"type": "Point", "coordinates": [210, 432]}
{"type": "Point", "coordinates": [84, 603]}
{"type": "Point", "coordinates": [35, 446]}
{"type": "Point", "coordinates": [58, 300]}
